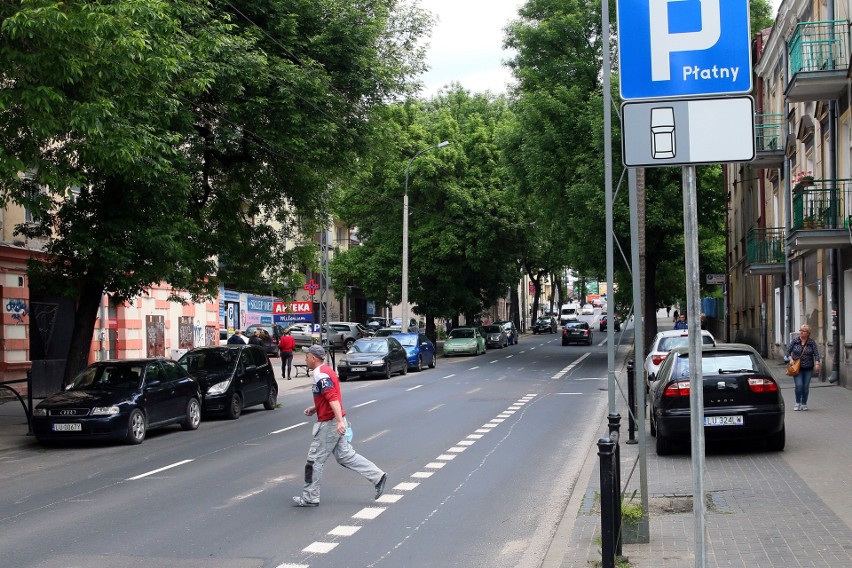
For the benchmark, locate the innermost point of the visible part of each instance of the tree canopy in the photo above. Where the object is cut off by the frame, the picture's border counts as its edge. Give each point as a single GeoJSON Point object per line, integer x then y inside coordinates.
{"type": "Point", "coordinates": [159, 140]}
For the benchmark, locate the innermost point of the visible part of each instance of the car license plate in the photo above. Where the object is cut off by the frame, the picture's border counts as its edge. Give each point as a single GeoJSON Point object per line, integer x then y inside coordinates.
{"type": "Point", "coordinates": [67, 428]}
{"type": "Point", "coordinates": [723, 420]}
{"type": "Point", "coordinates": [457, 350]}
{"type": "Point", "coordinates": [359, 369]}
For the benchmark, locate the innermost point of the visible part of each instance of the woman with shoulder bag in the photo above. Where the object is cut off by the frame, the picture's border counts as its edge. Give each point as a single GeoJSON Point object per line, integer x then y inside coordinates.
{"type": "Point", "coordinates": [804, 350]}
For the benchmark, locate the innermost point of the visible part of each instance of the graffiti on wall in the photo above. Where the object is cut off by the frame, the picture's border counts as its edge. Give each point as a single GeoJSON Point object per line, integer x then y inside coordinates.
{"type": "Point", "coordinates": [18, 308]}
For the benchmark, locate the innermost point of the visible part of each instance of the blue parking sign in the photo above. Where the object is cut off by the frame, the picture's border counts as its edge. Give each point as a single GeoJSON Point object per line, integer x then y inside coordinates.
{"type": "Point", "coordinates": [683, 48]}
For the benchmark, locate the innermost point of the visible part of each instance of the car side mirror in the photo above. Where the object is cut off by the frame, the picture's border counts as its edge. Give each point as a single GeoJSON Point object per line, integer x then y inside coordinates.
{"type": "Point", "coordinates": [250, 368]}
{"type": "Point", "coordinates": [652, 377]}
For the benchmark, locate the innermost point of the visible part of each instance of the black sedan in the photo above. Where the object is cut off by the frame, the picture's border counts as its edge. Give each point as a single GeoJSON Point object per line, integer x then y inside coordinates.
{"type": "Point", "coordinates": [232, 377]}
{"type": "Point", "coordinates": [577, 332]}
{"type": "Point", "coordinates": [741, 398]}
{"type": "Point", "coordinates": [604, 321]}
{"type": "Point", "coordinates": [373, 357]}
{"type": "Point", "coordinates": [544, 324]}
{"type": "Point", "coordinates": [120, 400]}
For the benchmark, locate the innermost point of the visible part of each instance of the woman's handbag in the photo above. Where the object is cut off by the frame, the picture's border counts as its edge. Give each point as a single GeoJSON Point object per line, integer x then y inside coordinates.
{"type": "Point", "coordinates": [793, 369]}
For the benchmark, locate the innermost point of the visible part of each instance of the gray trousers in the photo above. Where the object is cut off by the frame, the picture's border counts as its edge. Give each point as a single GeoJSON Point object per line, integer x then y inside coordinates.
{"type": "Point", "coordinates": [326, 441]}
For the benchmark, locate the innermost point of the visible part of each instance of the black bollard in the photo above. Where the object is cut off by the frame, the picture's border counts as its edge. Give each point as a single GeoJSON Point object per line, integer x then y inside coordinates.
{"type": "Point", "coordinates": [631, 402]}
{"type": "Point", "coordinates": [606, 451]}
{"type": "Point", "coordinates": [614, 435]}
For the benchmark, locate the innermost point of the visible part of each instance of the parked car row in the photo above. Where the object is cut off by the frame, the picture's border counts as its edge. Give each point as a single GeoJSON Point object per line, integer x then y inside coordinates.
{"type": "Point", "coordinates": [387, 355]}
{"type": "Point", "coordinates": [122, 400]}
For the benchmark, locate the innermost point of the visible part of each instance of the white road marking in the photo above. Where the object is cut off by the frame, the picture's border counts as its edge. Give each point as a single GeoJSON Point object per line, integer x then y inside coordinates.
{"type": "Point", "coordinates": [344, 530]}
{"type": "Point", "coordinates": [436, 407]}
{"type": "Point", "coordinates": [456, 450]}
{"type": "Point", "coordinates": [435, 465]}
{"type": "Point", "coordinates": [369, 513]}
{"type": "Point", "coordinates": [288, 428]}
{"type": "Point", "coordinates": [294, 566]}
{"type": "Point", "coordinates": [450, 376]}
{"type": "Point", "coordinates": [365, 403]}
{"type": "Point", "coordinates": [405, 486]}
{"type": "Point", "coordinates": [446, 457]}
{"type": "Point", "coordinates": [374, 436]}
{"type": "Point", "coordinates": [483, 430]}
{"type": "Point", "coordinates": [475, 436]}
{"type": "Point", "coordinates": [570, 367]}
{"type": "Point", "coordinates": [509, 356]}
{"type": "Point", "coordinates": [473, 368]}
{"type": "Point", "coordinates": [388, 498]}
{"type": "Point", "coordinates": [466, 443]}
{"type": "Point", "coordinates": [321, 547]}
{"type": "Point", "coordinates": [414, 388]}
{"type": "Point", "coordinates": [422, 474]}
{"type": "Point", "coordinates": [176, 464]}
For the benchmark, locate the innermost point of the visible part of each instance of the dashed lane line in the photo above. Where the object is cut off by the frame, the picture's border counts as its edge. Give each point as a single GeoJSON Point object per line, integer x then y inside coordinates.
{"type": "Point", "coordinates": [570, 367]}
{"type": "Point", "coordinates": [395, 494]}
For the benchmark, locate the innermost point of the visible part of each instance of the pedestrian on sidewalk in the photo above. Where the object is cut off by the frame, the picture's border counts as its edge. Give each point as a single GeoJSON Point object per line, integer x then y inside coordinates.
{"type": "Point", "coordinates": [681, 322]}
{"type": "Point", "coordinates": [255, 338]}
{"type": "Point", "coordinates": [286, 345]}
{"type": "Point", "coordinates": [675, 315]}
{"type": "Point", "coordinates": [329, 433]}
{"type": "Point", "coordinates": [804, 348]}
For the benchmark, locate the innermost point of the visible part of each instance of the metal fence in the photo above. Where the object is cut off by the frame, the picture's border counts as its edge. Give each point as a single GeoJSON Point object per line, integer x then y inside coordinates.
{"type": "Point", "coordinates": [767, 131]}
{"type": "Point", "coordinates": [822, 204]}
{"type": "Point", "coordinates": [765, 245]}
{"type": "Point", "coordinates": [819, 46]}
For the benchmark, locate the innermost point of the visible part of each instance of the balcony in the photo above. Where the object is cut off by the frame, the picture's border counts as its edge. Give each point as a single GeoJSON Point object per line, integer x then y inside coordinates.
{"type": "Point", "coordinates": [819, 61]}
{"type": "Point", "coordinates": [765, 251]}
{"type": "Point", "coordinates": [822, 215]}
{"type": "Point", "coordinates": [768, 145]}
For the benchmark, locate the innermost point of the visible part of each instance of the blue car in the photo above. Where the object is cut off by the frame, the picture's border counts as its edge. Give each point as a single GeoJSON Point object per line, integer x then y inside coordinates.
{"type": "Point", "coordinates": [419, 349]}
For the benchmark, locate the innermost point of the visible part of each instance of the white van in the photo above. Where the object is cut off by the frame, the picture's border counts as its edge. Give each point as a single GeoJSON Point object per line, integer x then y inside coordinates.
{"type": "Point", "coordinates": [569, 312]}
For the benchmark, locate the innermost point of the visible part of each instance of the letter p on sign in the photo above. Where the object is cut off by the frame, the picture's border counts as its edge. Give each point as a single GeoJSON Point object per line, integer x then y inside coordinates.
{"type": "Point", "coordinates": [664, 42]}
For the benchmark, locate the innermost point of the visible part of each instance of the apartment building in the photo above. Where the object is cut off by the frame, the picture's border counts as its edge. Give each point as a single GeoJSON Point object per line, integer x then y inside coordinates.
{"type": "Point", "coordinates": [790, 210]}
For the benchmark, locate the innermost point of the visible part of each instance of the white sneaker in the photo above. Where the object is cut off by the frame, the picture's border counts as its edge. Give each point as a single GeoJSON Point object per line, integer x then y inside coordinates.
{"type": "Point", "coordinates": [797, 407]}
{"type": "Point", "coordinates": [803, 407]}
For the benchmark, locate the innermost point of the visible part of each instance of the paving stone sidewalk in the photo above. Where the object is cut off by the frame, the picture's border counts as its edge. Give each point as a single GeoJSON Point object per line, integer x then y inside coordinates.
{"type": "Point", "coordinates": [764, 509]}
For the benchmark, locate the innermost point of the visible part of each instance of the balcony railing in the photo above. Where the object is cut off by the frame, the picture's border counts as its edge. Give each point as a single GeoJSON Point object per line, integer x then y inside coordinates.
{"type": "Point", "coordinates": [765, 245]}
{"type": "Point", "coordinates": [826, 204]}
{"type": "Point", "coordinates": [819, 46]}
{"type": "Point", "coordinates": [767, 132]}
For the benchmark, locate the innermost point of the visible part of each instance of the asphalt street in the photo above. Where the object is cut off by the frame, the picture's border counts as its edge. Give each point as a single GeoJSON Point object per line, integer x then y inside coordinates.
{"type": "Point", "coordinates": [482, 455]}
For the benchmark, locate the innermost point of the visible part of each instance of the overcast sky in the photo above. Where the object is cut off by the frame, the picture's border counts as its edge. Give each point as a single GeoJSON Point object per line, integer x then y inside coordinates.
{"type": "Point", "coordinates": [467, 44]}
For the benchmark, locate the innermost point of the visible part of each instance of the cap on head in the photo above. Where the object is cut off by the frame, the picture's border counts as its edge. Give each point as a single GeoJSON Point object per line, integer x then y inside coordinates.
{"type": "Point", "coordinates": [317, 351]}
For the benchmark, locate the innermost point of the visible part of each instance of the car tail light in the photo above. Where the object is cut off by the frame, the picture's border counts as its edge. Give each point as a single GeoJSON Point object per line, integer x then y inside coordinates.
{"type": "Point", "coordinates": [680, 388]}
{"type": "Point", "coordinates": [586, 332]}
{"type": "Point", "coordinates": [658, 359]}
{"type": "Point", "coordinates": [565, 331]}
{"type": "Point", "coordinates": [762, 384]}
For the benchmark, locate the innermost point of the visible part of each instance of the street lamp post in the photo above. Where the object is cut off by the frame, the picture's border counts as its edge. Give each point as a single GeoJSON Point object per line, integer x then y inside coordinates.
{"type": "Point", "coordinates": [404, 300]}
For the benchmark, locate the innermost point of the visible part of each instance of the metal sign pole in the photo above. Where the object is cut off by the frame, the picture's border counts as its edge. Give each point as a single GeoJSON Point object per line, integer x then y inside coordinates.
{"type": "Point", "coordinates": [696, 381]}
{"type": "Point", "coordinates": [607, 108]}
{"type": "Point", "coordinates": [639, 354]}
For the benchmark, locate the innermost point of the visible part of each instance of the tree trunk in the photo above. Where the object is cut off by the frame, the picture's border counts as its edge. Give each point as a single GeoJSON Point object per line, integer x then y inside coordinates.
{"type": "Point", "coordinates": [516, 307]}
{"type": "Point", "coordinates": [85, 317]}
